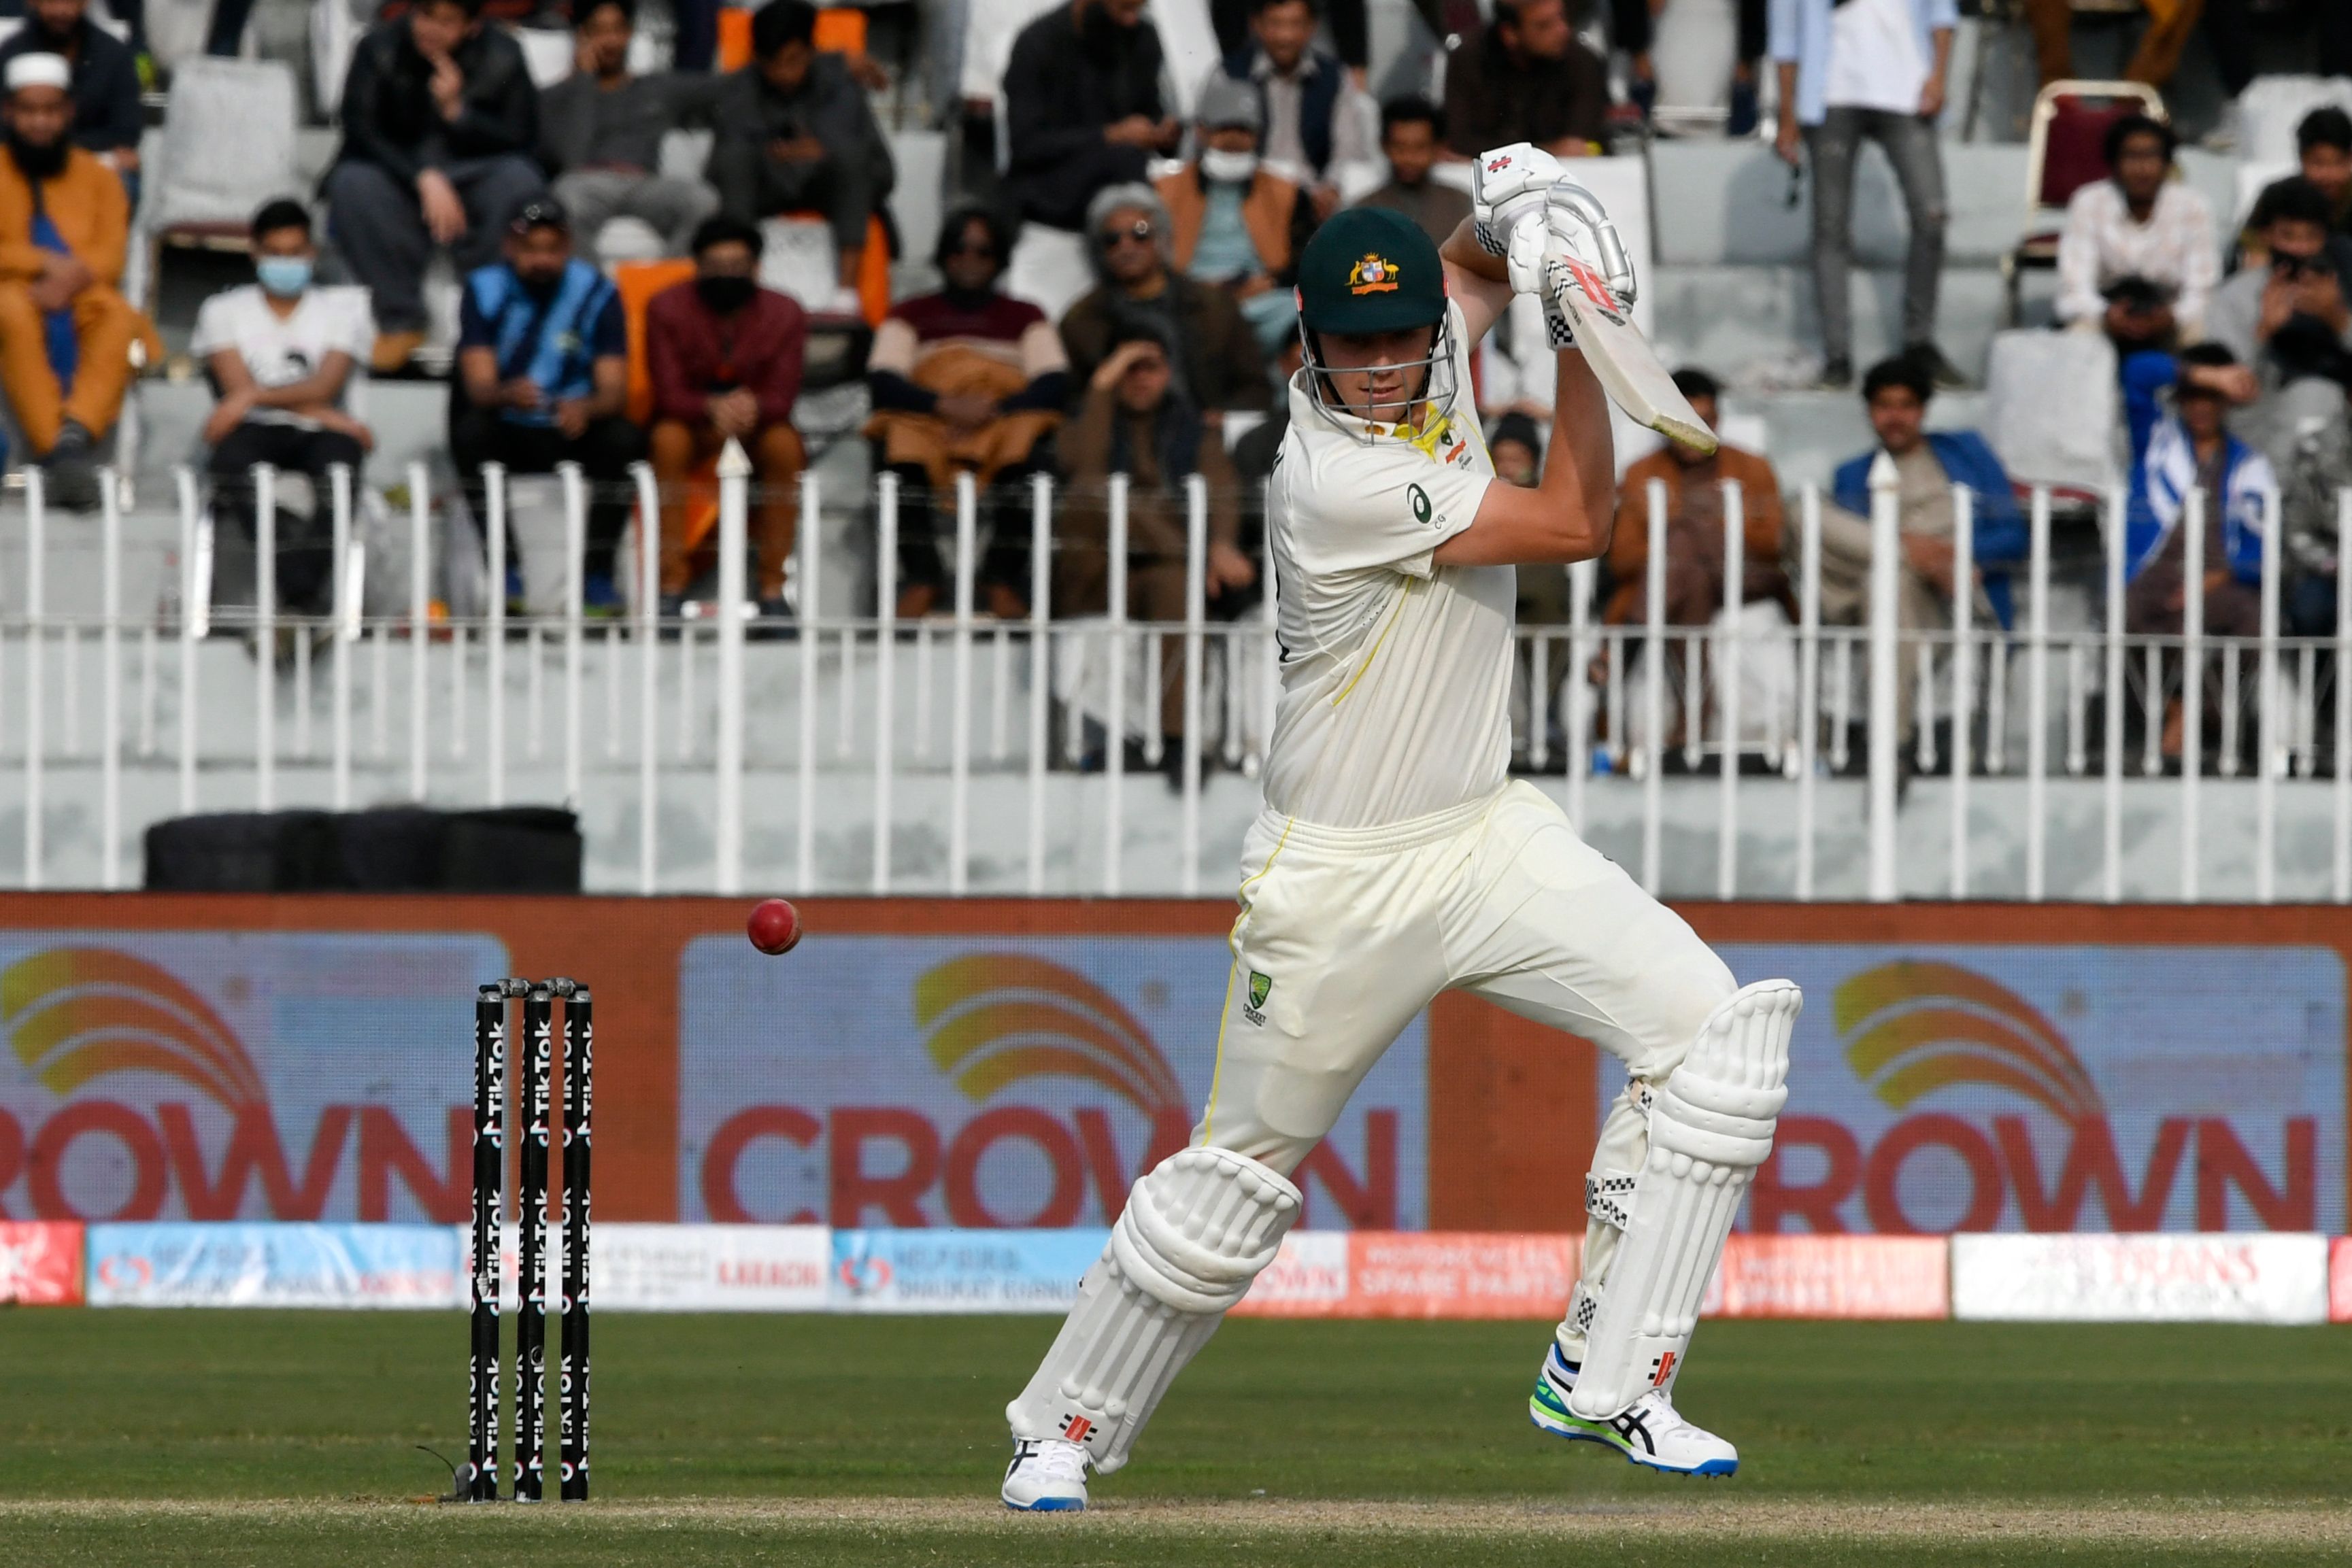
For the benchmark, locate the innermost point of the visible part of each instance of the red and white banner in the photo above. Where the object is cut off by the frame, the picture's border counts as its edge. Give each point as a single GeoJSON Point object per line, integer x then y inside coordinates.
{"type": "Point", "coordinates": [40, 1263]}
{"type": "Point", "coordinates": [1832, 1277]}
{"type": "Point", "coordinates": [2339, 1281]}
{"type": "Point", "coordinates": [710, 1268]}
{"type": "Point", "coordinates": [2213, 1278]}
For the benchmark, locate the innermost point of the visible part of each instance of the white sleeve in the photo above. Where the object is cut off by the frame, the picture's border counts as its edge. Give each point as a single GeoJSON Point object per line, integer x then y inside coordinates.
{"type": "Point", "coordinates": [2078, 260]}
{"type": "Point", "coordinates": [1385, 505]}
{"type": "Point", "coordinates": [214, 331]}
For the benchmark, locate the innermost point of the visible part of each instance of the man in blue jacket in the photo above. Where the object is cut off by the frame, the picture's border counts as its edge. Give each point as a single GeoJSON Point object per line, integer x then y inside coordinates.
{"type": "Point", "coordinates": [1928, 466]}
{"type": "Point", "coordinates": [1305, 103]}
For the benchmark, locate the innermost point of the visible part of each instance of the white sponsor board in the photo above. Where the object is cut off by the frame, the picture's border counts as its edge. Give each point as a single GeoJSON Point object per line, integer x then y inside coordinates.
{"type": "Point", "coordinates": [1309, 1272]}
{"type": "Point", "coordinates": [709, 1268]}
{"type": "Point", "coordinates": [2240, 1277]}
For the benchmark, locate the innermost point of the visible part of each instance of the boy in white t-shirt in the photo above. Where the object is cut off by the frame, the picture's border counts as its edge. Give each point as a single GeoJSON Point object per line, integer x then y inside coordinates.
{"type": "Point", "coordinates": [280, 353]}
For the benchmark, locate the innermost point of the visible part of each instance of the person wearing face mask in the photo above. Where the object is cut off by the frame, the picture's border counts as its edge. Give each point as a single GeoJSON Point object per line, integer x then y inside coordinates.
{"type": "Point", "coordinates": [278, 352]}
{"type": "Point", "coordinates": [65, 331]}
{"type": "Point", "coordinates": [104, 85]}
{"type": "Point", "coordinates": [965, 381]}
{"type": "Point", "coordinates": [1236, 224]}
{"type": "Point", "coordinates": [724, 355]}
{"type": "Point", "coordinates": [542, 371]}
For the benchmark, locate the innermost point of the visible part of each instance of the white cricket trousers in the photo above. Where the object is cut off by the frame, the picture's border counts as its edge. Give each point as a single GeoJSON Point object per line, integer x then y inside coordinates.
{"type": "Point", "coordinates": [1346, 934]}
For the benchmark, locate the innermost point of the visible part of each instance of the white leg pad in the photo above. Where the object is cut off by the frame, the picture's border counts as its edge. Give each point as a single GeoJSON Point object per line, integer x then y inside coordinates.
{"type": "Point", "coordinates": [1197, 1229]}
{"type": "Point", "coordinates": [1711, 1125]}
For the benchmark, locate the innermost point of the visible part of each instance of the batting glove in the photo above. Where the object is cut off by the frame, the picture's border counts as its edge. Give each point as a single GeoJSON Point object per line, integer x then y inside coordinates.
{"type": "Point", "coordinates": [1507, 184]}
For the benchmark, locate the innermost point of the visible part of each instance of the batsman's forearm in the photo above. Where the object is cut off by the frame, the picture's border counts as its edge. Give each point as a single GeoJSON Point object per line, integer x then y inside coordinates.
{"type": "Point", "coordinates": [1462, 249]}
{"type": "Point", "coordinates": [1580, 432]}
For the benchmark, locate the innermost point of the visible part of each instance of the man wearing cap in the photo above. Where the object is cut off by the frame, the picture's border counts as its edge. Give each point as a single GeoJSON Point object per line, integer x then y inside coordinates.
{"type": "Point", "coordinates": [1234, 222]}
{"type": "Point", "coordinates": [1395, 860]}
{"type": "Point", "coordinates": [107, 118]}
{"type": "Point", "coordinates": [542, 369]}
{"type": "Point", "coordinates": [65, 331]}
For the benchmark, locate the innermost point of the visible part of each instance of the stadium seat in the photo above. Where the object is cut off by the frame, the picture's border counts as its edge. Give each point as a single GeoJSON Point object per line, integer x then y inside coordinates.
{"type": "Point", "coordinates": [2053, 398]}
{"type": "Point", "coordinates": [2062, 154]}
{"type": "Point", "coordinates": [840, 30]}
{"type": "Point", "coordinates": [197, 199]}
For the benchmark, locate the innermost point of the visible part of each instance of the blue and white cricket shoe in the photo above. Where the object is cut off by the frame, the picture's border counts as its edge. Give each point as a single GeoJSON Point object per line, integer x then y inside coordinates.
{"type": "Point", "coordinates": [1047, 1476]}
{"type": "Point", "coordinates": [1649, 1433]}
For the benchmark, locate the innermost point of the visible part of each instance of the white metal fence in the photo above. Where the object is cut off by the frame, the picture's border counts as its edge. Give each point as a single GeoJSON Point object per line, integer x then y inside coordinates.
{"type": "Point", "coordinates": [1011, 745]}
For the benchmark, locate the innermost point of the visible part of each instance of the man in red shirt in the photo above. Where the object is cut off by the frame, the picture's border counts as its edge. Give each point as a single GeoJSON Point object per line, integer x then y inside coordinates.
{"type": "Point", "coordinates": [724, 355]}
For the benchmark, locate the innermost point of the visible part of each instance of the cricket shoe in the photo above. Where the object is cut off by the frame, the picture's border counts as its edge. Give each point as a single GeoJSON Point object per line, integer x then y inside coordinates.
{"type": "Point", "coordinates": [1047, 1476]}
{"type": "Point", "coordinates": [1648, 1433]}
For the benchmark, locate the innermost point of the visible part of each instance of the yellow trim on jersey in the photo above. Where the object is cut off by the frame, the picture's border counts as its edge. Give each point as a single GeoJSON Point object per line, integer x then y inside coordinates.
{"type": "Point", "coordinates": [1378, 643]}
{"type": "Point", "coordinates": [1232, 940]}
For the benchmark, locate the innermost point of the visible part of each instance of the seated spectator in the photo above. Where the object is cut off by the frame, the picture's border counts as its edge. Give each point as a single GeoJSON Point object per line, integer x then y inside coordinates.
{"type": "Point", "coordinates": [2323, 150]}
{"type": "Point", "coordinates": [1695, 555]}
{"type": "Point", "coordinates": [279, 353]}
{"type": "Point", "coordinates": [439, 121]}
{"type": "Point", "coordinates": [1525, 77]}
{"type": "Point", "coordinates": [542, 369]}
{"type": "Point", "coordinates": [107, 118]}
{"type": "Point", "coordinates": [1927, 463]}
{"type": "Point", "coordinates": [1235, 223]}
{"type": "Point", "coordinates": [65, 332]}
{"type": "Point", "coordinates": [1218, 365]}
{"type": "Point", "coordinates": [2289, 322]}
{"type": "Point", "coordinates": [1135, 421]}
{"type": "Point", "coordinates": [2154, 59]}
{"type": "Point", "coordinates": [1308, 114]}
{"type": "Point", "coordinates": [1082, 108]}
{"type": "Point", "coordinates": [1411, 140]}
{"type": "Point", "coordinates": [601, 130]}
{"type": "Point", "coordinates": [965, 381]}
{"type": "Point", "coordinates": [725, 357]}
{"type": "Point", "coordinates": [2138, 256]}
{"type": "Point", "coordinates": [1632, 27]}
{"type": "Point", "coordinates": [795, 132]}
{"type": "Point", "coordinates": [2190, 448]}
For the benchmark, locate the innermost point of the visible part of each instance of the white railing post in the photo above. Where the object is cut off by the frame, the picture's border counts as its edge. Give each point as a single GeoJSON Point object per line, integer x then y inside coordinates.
{"type": "Point", "coordinates": [2112, 787]}
{"type": "Point", "coordinates": [2192, 684]}
{"type": "Point", "coordinates": [35, 631]}
{"type": "Point", "coordinates": [2343, 782]}
{"type": "Point", "coordinates": [812, 550]}
{"type": "Point", "coordinates": [347, 630]}
{"type": "Point", "coordinates": [196, 590]}
{"type": "Point", "coordinates": [2037, 699]}
{"type": "Point", "coordinates": [265, 635]}
{"type": "Point", "coordinates": [1041, 664]}
{"type": "Point", "coordinates": [1885, 567]}
{"type": "Point", "coordinates": [493, 506]}
{"type": "Point", "coordinates": [648, 619]}
{"type": "Point", "coordinates": [734, 532]}
{"type": "Point", "coordinates": [886, 637]}
{"type": "Point", "coordinates": [1809, 678]}
{"type": "Point", "coordinates": [967, 550]}
{"type": "Point", "coordinates": [2266, 726]}
{"type": "Point", "coordinates": [575, 607]}
{"type": "Point", "coordinates": [110, 660]}
{"type": "Point", "coordinates": [1196, 595]}
{"type": "Point", "coordinates": [1964, 683]}
{"type": "Point", "coordinates": [1581, 578]}
{"type": "Point", "coordinates": [1654, 694]}
{"type": "Point", "coordinates": [1727, 687]}
{"type": "Point", "coordinates": [420, 622]}
{"type": "Point", "coordinates": [1115, 725]}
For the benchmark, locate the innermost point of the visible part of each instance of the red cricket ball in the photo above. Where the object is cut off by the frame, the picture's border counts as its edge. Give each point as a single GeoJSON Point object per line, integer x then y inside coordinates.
{"type": "Point", "coordinates": [774, 927]}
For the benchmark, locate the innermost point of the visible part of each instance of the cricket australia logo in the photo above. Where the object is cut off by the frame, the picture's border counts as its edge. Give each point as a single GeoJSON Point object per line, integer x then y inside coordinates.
{"type": "Point", "coordinates": [1373, 274]}
{"type": "Point", "coordinates": [1252, 1007]}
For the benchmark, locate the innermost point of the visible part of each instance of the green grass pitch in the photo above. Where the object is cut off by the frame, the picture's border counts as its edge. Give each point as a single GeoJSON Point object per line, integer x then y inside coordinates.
{"type": "Point", "coordinates": [289, 1439]}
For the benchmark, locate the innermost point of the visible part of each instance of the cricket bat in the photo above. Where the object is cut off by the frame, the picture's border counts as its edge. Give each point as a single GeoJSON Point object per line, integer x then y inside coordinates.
{"type": "Point", "coordinates": [1621, 358]}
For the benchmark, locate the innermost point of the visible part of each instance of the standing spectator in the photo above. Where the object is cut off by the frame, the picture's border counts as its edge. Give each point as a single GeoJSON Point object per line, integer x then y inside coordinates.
{"type": "Point", "coordinates": [1633, 26]}
{"type": "Point", "coordinates": [601, 131]}
{"type": "Point", "coordinates": [1236, 223]}
{"type": "Point", "coordinates": [107, 118]}
{"type": "Point", "coordinates": [1082, 108]}
{"type": "Point", "coordinates": [439, 121]}
{"type": "Point", "coordinates": [543, 368]}
{"type": "Point", "coordinates": [1695, 554]}
{"type": "Point", "coordinates": [1927, 464]}
{"type": "Point", "coordinates": [795, 131]}
{"type": "Point", "coordinates": [2323, 150]}
{"type": "Point", "coordinates": [965, 381]}
{"type": "Point", "coordinates": [2290, 323]}
{"type": "Point", "coordinates": [1411, 140]}
{"type": "Point", "coordinates": [1524, 76]}
{"type": "Point", "coordinates": [1309, 115]}
{"type": "Point", "coordinates": [2190, 448]}
{"type": "Point", "coordinates": [279, 353]}
{"type": "Point", "coordinates": [2154, 59]}
{"type": "Point", "coordinates": [1868, 69]}
{"type": "Point", "coordinates": [1217, 365]}
{"type": "Point", "coordinates": [64, 330]}
{"type": "Point", "coordinates": [1135, 422]}
{"type": "Point", "coordinates": [2138, 257]}
{"type": "Point", "coordinates": [725, 357]}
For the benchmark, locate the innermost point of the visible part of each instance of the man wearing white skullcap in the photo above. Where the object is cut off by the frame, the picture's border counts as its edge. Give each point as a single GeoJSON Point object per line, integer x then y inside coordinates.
{"type": "Point", "coordinates": [65, 331]}
{"type": "Point", "coordinates": [104, 83]}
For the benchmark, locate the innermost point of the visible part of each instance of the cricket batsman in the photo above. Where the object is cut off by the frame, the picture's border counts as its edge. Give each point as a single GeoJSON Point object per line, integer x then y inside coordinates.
{"type": "Point", "coordinates": [1396, 859]}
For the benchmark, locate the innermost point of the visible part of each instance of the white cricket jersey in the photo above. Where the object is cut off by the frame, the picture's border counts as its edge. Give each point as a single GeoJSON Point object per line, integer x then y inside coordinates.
{"type": "Point", "coordinates": [1396, 672]}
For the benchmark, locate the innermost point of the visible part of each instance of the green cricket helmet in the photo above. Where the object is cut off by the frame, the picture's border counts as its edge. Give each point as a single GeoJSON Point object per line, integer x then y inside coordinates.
{"type": "Point", "coordinates": [1369, 270]}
